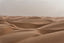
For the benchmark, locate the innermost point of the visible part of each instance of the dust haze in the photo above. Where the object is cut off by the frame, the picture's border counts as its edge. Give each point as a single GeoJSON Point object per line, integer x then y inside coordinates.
{"type": "Point", "coordinates": [32, 7]}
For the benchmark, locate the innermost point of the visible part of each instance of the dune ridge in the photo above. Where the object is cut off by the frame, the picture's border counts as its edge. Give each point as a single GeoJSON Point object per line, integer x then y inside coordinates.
{"type": "Point", "coordinates": [31, 29]}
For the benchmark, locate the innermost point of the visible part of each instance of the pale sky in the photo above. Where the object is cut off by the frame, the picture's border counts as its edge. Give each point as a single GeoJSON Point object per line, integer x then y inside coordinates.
{"type": "Point", "coordinates": [32, 7]}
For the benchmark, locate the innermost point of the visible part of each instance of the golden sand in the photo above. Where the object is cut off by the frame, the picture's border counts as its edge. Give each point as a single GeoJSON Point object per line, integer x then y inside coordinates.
{"type": "Point", "coordinates": [20, 29]}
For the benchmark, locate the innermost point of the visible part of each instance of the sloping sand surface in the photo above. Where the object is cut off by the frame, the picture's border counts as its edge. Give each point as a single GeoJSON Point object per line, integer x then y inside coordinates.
{"type": "Point", "coordinates": [30, 23]}
{"type": "Point", "coordinates": [53, 27]}
{"type": "Point", "coordinates": [56, 37]}
{"type": "Point", "coordinates": [15, 37]}
{"type": "Point", "coordinates": [21, 29]}
{"type": "Point", "coordinates": [5, 29]}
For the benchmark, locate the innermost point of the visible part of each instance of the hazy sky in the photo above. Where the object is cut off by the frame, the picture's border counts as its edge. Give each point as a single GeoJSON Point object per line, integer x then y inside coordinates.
{"type": "Point", "coordinates": [32, 7]}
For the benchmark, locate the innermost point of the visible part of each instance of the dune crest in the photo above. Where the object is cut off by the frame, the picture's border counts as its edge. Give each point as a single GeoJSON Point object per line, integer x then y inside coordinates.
{"type": "Point", "coordinates": [53, 27]}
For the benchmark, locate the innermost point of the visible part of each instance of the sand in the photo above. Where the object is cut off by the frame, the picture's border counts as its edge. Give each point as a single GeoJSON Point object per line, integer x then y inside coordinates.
{"type": "Point", "coordinates": [31, 29]}
{"type": "Point", "coordinates": [15, 37]}
{"type": "Point", "coordinates": [53, 27]}
{"type": "Point", "coordinates": [56, 37]}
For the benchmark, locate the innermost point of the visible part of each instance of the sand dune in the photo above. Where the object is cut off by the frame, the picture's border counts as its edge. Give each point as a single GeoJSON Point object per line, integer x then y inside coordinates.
{"type": "Point", "coordinates": [30, 23]}
{"type": "Point", "coordinates": [53, 27]}
{"type": "Point", "coordinates": [15, 37]}
{"type": "Point", "coordinates": [31, 29]}
{"type": "Point", "coordinates": [56, 37]}
{"type": "Point", "coordinates": [5, 29]}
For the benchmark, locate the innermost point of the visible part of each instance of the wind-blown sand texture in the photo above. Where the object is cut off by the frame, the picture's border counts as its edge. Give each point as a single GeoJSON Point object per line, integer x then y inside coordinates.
{"type": "Point", "coordinates": [26, 29]}
{"type": "Point", "coordinates": [56, 37]}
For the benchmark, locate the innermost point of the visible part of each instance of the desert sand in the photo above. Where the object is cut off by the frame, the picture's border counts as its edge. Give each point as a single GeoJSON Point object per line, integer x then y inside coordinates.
{"type": "Point", "coordinates": [56, 37]}
{"type": "Point", "coordinates": [31, 29]}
